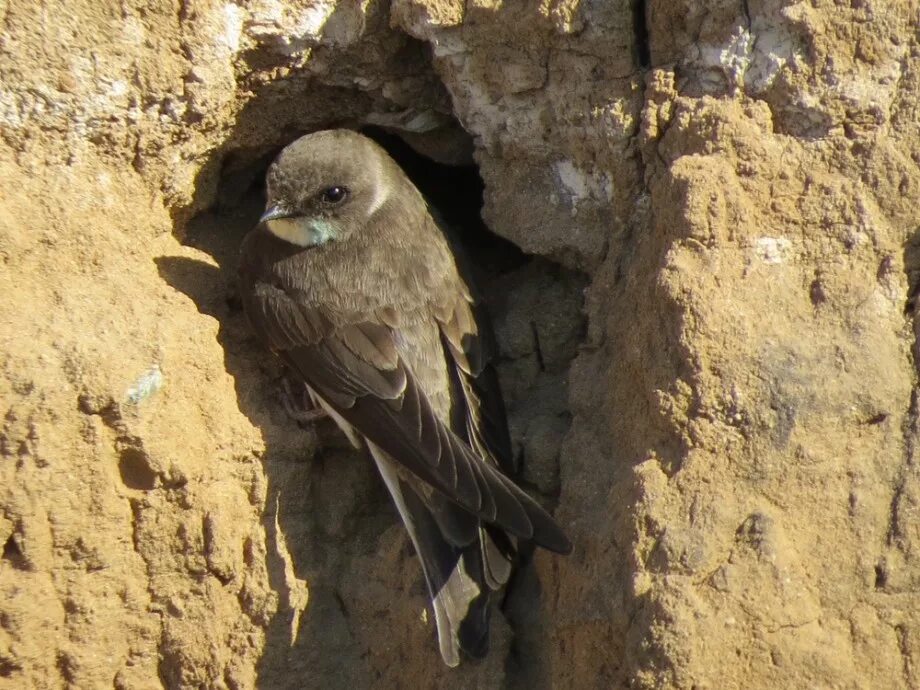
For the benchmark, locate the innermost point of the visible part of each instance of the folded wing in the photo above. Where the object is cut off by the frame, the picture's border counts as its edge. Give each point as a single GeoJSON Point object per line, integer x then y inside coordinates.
{"type": "Point", "coordinates": [357, 369]}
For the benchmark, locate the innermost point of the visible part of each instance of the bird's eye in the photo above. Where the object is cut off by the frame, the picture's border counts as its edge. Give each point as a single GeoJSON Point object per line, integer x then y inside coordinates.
{"type": "Point", "coordinates": [334, 195]}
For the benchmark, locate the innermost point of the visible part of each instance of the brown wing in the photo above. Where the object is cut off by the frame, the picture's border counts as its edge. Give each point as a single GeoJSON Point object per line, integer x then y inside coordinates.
{"type": "Point", "coordinates": [357, 370]}
{"type": "Point", "coordinates": [468, 343]}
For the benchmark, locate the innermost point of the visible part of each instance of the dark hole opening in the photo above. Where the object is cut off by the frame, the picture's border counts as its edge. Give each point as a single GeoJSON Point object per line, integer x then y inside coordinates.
{"type": "Point", "coordinates": [456, 192]}
{"type": "Point", "coordinates": [640, 31]}
{"type": "Point", "coordinates": [337, 517]}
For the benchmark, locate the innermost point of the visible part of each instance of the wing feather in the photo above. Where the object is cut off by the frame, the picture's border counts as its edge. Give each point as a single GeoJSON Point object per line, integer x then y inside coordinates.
{"type": "Point", "coordinates": [357, 369]}
{"type": "Point", "coordinates": [470, 349]}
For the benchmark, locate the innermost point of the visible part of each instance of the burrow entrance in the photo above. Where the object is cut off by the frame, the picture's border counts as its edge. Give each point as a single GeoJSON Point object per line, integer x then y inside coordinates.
{"type": "Point", "coordinates": [334, 515]}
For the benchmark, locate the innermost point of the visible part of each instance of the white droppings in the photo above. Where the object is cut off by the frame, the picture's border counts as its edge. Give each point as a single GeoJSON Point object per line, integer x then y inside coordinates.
{"type": "Point", "coordinates": [272, 23]}
{"type": "Point", "coordinates": [446, 44]}
{"type": "Point", "coordinates": [117, 88]}
{"type": "Point", "coordinates": [314, 18]}
{"type": "Point", "coordinates": [772, 51]}
{"type": "Point", "coordinates": [772, 250]}
{"type": "Point", "coordinates": [146, 385]}
{"type": "Point", "coordinates": [750, 59]}
{"type": "Point", "coordinates": [233, 27]}
{"type": "Point", "coordinates": [572, 179]}
{"type": "Point", "coordinates": [582, 184]}
{"type": "Point", "coordinates": [735, 57]}
{"type": "Point", "coordinates": [267, 12]}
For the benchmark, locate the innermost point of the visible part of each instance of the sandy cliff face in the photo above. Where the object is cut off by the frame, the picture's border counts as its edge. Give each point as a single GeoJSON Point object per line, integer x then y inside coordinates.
{"type": "Point", "coordinates": [708, 349]}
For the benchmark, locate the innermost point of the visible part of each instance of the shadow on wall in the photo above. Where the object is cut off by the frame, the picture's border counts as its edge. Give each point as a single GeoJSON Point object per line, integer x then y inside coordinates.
{"type": "Point", "coordinates": [320, 494]}
{"type": "Point", "coordinates": [912, 304]}
{"type": "Point", "coordinates": [333, 514]}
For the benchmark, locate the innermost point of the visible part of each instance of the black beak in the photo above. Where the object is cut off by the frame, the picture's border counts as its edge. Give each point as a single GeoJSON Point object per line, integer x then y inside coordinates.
{"type": "Point", "coordinates": [275, 212]}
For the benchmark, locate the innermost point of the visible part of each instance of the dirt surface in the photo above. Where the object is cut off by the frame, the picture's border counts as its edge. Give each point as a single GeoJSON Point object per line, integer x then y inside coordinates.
{"type": "Point", "coordinates": [708, 343]}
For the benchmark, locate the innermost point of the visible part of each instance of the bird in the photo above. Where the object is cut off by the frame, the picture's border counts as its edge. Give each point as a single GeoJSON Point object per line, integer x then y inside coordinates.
{"type": "Point", "coordinates": [352, 282]}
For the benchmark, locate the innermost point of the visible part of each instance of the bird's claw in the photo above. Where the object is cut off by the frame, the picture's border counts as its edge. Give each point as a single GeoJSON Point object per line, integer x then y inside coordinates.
{"type": "Point", "coordinates": [298, 403]}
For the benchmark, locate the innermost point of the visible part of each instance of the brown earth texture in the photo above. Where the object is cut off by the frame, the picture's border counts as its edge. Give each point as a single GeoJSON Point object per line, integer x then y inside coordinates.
{"type": "Point", "coordinates": [697, 229]}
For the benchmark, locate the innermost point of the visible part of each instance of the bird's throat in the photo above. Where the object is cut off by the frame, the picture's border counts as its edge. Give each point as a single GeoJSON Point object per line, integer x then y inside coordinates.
{"type": "Point", "coordinates": [302, 231]}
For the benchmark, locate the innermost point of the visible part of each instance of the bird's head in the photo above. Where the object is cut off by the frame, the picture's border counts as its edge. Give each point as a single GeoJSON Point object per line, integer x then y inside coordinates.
{"type": "Point", "coordinates": [326, 186]}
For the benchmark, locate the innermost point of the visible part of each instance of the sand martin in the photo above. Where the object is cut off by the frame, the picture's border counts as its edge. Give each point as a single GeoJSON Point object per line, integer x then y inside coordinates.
{"type": "Point", "coordinates": [349, 280]}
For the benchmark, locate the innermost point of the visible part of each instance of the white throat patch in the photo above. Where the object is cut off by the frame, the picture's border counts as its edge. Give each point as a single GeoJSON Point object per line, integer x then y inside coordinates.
{"type": "Point", "coordinates": [304, 232]}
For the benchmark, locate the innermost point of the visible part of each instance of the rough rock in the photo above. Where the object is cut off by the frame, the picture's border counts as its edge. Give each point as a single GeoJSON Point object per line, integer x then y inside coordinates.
{"type": "Point", "coordinates": [708, 346]}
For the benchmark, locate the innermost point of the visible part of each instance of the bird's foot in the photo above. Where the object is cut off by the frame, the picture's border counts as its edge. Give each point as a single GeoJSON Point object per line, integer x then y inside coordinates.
{"type": "Point", "coordinates": [298, 403]}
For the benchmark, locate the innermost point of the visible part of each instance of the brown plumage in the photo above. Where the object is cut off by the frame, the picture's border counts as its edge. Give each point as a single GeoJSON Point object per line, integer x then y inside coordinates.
{"type": "Point", "coordinates": [350, 281]}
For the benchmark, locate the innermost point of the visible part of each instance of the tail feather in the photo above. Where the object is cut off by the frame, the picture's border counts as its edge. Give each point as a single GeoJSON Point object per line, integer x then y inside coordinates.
{"type": "Point", "coordinates": [460, 578]}
{"type": "Point", "coordinates": [496, 560]}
